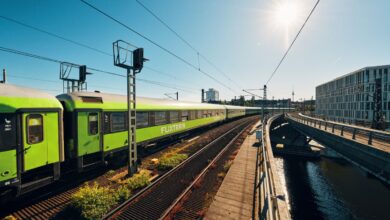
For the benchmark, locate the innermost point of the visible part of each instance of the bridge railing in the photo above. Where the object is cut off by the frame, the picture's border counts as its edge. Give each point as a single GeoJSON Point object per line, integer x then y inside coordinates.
{"type": "Point", "coordinates": [271, 198]}
{"type": "Point", "coordinates": [380, 139]}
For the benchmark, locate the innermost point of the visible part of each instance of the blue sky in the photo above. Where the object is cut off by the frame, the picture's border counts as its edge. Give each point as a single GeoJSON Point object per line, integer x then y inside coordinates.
{"type": "Point", "coordinates": [240, 37]}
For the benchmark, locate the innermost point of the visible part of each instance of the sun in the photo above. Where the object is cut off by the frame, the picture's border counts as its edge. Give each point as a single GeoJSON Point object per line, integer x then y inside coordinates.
{"type": "Point", "coordinates": [286, 13]}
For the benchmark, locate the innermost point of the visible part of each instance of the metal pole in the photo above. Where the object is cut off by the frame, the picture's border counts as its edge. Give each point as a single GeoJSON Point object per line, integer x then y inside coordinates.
{"type": "Point", "coordinates": [4, 76]}
{"type": "Point", "coordinates": [131, 107]}
{"type": "Point", "coordinates": [264, 99]}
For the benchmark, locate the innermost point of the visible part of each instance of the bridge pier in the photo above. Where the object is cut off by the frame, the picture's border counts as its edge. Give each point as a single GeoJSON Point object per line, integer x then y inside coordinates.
{"type": "Point", "coordinates": [286, 141]}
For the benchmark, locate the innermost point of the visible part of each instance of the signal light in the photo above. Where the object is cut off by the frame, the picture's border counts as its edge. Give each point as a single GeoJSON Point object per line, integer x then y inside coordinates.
{"type": "Point", "coordinates": [138, 59]}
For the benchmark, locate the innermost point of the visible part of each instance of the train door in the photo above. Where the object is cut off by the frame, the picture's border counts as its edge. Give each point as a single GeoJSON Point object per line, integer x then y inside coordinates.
{"type": "Point", "coordinates": [8, 144]}
{"type": "Point", "coordinates": [35, 142]}
{"type": "Point", "coordinates": [88, 129]}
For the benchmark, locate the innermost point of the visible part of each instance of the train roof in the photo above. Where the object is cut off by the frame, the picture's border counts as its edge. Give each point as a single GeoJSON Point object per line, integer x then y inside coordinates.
{"type": "Point", "coordinates": [91, 100]}
{"type": "Point", "coordinates": [235, 107]}
{"type": "Point", "coordinates": [14, 97]}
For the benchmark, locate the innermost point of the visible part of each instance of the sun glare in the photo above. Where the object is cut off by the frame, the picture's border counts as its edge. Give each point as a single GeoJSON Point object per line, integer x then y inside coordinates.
{"type": "Point", "coordinates": [286, 13]}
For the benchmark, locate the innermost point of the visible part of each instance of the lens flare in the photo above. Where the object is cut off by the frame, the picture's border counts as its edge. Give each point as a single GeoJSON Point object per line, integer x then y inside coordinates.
{"type": "Point", "coordinates": [286, 13]}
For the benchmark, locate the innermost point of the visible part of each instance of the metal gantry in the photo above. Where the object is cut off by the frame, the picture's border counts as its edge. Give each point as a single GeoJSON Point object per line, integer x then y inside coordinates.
{"type": "Point", "coordinates": [131, 58]}
{"type": "Point", "coordinates": [73, 82]}
{"type": "Point", "coordinates": [264, 96]}
{"type": "Point", "coordinates": [169, 95]}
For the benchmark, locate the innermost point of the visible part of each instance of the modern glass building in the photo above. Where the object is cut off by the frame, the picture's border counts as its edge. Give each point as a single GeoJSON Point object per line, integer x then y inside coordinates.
{"type": "Point", "coordinates": [361, 97]}
{"type": "Point", "coordinates": [212, 95]}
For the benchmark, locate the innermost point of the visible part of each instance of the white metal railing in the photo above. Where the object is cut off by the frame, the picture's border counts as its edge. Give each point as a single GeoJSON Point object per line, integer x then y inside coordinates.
{"type": "Point", "coordinates": [271, 199]}
{"type": "Point", "coordinates": [364, 135]}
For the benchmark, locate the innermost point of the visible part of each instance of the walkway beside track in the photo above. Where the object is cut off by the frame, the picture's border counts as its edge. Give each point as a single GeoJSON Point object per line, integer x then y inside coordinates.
{"type": "Point", "coordinates": [234, 199]}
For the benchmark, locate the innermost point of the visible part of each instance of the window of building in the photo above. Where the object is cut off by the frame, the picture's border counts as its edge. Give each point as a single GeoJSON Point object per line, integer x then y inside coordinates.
{"type": "Point", "coordinates": [93, 123]}
{"type": "Point", "coordinates": [160, 118]}
{"type": "Point", "coordinates": [142, 119]}
{"type": "Point", "coordinates": [174, 116]}
{"type": "Point", "coordinates": [34, 129]}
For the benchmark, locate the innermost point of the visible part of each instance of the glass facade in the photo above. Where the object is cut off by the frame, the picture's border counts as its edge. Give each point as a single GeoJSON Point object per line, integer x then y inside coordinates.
{"type": "Point", "coordinates": [351, 98]}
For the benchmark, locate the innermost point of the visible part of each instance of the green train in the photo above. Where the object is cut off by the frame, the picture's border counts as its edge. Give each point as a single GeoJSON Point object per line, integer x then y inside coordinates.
{"type": "Point", "coordinates": [42, 136]}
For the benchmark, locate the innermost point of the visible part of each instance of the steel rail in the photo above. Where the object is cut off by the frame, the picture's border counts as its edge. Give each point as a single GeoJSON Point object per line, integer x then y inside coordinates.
{"type": "Point", "coordinates": [169, 210]}
{"type": "Point", "coordinates": [121, 208]}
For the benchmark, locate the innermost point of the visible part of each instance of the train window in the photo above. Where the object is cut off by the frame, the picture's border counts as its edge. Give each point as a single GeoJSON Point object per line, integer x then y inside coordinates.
{"type": "Point", "coordinates": [7, 130]}
{"type": "Point", "coordinates": [174, 116]}
{"type": "Point", "coordinates": [160, 118]}
{"type": "Point", "coordinates": [142, 119]}
{"type": "Point", "coordinates": [199, 114]}
{"type": "Point", "coordinates": [93, 123]}
{"type": "Point", "coordinates": [34, 128]}
{"type": "Point", "coordinates": [106, 120]}
{"type": "Point", "coordinates": [192, 115]}
{"type": "Point", "coordinates": [184, 116]}
{"type": "Point", "coordinates": [118, 121]}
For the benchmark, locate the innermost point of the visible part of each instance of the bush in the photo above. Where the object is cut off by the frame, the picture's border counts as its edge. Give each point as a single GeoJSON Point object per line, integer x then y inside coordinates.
{"type": "Point", "coordinates": [122, 194]}
{"type": "Point", "coordinates": [93, 201]}
{"type": "Point", "coordinates": [10, 217]}
{"type": "Point", "coordinates": [137, 181]}
{"type": "Point", "coordinates": [168, 162]}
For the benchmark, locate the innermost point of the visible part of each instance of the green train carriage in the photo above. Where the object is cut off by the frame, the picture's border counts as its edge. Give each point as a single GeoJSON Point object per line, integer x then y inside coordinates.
{"type": "Point", "coordinates": [94, 126]}
{"type": "Point", "coordinates": [233, 111]}
{"type": "Point", "coordinates": [31, 143]}
{"type": "Point", "coordinates": [96, 123]}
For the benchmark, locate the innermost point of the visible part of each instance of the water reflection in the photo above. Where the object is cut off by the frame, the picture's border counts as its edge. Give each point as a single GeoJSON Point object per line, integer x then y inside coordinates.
{"type": "Point", "coordinates": [332, 188]}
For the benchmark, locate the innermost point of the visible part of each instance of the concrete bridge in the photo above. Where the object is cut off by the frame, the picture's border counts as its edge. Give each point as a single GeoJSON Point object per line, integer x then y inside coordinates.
{"type": "Point", "coordinates": [367, 148]}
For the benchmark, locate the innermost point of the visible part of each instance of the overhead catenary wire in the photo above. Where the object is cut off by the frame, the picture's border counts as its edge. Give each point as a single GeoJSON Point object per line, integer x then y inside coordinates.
{"type": "Point", "coordinates": [100, 86]}
{"type": "Point", "coordinates": [22, 53]}
{"type": "Point", "coordinates": [53, 35]}
{"type": "Point", "coordinates": [156, 44]}
{"type": "Point", "coordinates": [79, 44]}
{"type": "Point", "coordinates": [187, 43]}
{"type": "Point", "coordinates": [292, 43]}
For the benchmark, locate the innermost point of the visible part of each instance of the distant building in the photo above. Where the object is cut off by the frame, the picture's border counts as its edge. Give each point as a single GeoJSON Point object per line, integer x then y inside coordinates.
{"type": "Point", "coordinates": [361, 97]}
{"type": "Point", "coordinates": [276, 103]}
{"type": "Point", "coordinates": [212, 95]}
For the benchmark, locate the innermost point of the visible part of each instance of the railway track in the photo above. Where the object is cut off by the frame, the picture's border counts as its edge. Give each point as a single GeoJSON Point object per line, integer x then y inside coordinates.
{"type": "Point", "coordinates": [161, 199]}
{"type": "Point", "coordinates": [50, 203]}
{"type": "Point", "coordinates": [199, 198]}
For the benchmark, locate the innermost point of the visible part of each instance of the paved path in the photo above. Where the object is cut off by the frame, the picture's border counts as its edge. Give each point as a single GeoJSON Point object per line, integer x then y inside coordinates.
{"type": "Point", "coordinates": [235, 196]}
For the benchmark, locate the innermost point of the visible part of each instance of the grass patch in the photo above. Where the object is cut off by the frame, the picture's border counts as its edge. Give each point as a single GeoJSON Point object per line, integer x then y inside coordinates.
{"type": "Point", "coordinates": [221, 175]}
{"type": "Point", "coordinates": [172, 160]}
{"type": "Point", "coordinates": [137, 181]}
{"type": "Point", "coordinates": [92, 202]}
{"type": "Point", "coordinates": [110, 172]}
{"type": "Point", "coordinates": [227, 165]}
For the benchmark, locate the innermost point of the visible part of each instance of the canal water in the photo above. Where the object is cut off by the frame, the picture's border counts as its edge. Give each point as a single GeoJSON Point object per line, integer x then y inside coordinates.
{"type": "Point", "coordinates": [332, 188]}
